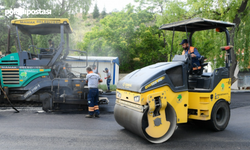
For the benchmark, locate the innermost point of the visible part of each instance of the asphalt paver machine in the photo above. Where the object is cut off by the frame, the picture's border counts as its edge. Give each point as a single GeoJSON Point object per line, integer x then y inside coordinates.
{"type": "Point", "coordinates": [38, 75]}
{"type": "Point", "coordinates": [152, 101]}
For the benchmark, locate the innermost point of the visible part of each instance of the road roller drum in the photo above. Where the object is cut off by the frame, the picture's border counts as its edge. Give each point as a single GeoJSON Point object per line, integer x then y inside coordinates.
{"type": "Point", "coordinates": [155, 129]}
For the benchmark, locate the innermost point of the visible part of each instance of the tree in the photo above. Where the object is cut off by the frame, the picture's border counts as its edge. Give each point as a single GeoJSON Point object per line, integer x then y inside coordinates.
{"type": "Point", "coordinates": [103, 14]}
{"type": "Point", "coordinates": [128, 35]}
{"type": "Point", "coordinates": [236, 11]}
{"type": "Point", "coordinates": [241, 17]}
{"type": "Point", "coordinates": [59, 9]}
{"type": "Point", "coordinates": [96, 13]}
{"type": "Point", "coordinates": [156, 6]}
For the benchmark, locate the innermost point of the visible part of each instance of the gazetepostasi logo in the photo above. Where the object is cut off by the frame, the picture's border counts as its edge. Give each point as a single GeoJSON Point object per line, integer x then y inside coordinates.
{"type": "Point", "coordinates": [21, 11]}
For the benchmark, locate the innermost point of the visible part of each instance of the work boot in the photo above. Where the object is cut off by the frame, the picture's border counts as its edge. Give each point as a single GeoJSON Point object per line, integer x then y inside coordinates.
{"type": "Point", "coordinates": [97, 116]}
{"type": "Point", "coordinates": [89, 116]}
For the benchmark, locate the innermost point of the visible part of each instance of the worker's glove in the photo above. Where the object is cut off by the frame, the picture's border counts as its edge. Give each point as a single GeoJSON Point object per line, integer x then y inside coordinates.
{"type": "Point", "coordinates": [105, 78]}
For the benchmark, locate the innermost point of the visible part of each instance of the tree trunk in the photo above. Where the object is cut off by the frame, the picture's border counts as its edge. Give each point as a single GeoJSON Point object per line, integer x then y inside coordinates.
{"type": "Point", "coordinates": [237, 21]}
{"type": "Point", "coordinates": [16, 44]}
{"type": "Point", "coordinates": [233, 59]}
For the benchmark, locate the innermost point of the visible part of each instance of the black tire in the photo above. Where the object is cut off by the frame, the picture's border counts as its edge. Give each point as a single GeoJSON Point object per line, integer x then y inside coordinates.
{"type": "Point", "coordinates": [220, 116]}
{"type": "Point", "coordinates": [46, 101]}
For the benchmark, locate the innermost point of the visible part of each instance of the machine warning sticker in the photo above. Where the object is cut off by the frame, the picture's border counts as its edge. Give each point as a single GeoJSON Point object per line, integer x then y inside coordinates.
{"type": "Point", "coordinates": [24, 67]}
{"type": "Point", "coordinates": [154, 82]}
{"type": "Point", "coordinates": [29, 70]}
{"type": "Point", "coordinates": [32, 91]}
{"type": "Point", "coordinates": [179, 98]}
{"type": "Point", "coordinates": [217, 96]}
{"type": "Point", "coordinates": [126, 85]}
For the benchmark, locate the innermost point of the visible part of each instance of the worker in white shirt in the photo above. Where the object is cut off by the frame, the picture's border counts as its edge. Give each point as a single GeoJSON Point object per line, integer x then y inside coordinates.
{"type": "Point", "coordinates": [95, 69]}
{"type": "Point", "coordinates": [108, 78]}
{"type": "Point", "coordinates": [93, 95]}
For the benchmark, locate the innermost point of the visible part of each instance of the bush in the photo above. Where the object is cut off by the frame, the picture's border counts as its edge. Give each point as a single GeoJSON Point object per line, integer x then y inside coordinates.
{"type": "Point", "coordinates": [105, 88]}
{"type": "Point", "coordinates": [88, 24]}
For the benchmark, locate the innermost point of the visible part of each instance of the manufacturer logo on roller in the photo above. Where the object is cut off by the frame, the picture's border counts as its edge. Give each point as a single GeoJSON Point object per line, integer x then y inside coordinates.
{"type": "Point", "coordinates": [126, 85]}
{"type": "Point", "coordinates": [222, 87]}
{"type": "Point", "coordinates": [154, 82]}
{"type": "Point", "coordinates": [179, 98]}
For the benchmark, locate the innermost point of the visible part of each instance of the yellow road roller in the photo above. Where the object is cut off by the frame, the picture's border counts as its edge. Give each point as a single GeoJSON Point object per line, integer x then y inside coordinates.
{"type": "Point", "coordinates": [152, 101]}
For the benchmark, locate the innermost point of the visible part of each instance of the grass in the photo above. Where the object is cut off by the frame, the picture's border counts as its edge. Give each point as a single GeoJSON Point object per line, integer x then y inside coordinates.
{"type": "Point", "coordinates": [105, 88]}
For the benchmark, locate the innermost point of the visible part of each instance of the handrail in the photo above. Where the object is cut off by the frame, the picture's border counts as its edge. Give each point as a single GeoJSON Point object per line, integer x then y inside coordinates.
{"type": "Point", "coordinates": [43, 48]}
{"type": "Point", "coordinates": [81, 59]}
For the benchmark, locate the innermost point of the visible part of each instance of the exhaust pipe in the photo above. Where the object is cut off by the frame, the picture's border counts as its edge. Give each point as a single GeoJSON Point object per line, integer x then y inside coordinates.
{"type": "Point", "coordinates": [8, 42]}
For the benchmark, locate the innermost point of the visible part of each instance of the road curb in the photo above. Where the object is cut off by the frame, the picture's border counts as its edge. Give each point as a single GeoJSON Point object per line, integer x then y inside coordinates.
{"type": "Point", "coordinates": [112, 93]}
{"type": "Point", "coordinates": [240, 91]}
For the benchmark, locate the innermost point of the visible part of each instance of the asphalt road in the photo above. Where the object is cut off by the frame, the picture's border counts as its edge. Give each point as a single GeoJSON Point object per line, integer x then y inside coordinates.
{"type": "Point", "coordinates": [30, 130]}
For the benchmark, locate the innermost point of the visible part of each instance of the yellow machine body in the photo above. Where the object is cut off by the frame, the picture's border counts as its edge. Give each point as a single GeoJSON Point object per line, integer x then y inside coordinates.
{"type": "Point", "coordinates": [201, 102]}
{"type": "Point", "coordinates": [153, 100]}
{"type": "Point", "coordinates": [204, 102]}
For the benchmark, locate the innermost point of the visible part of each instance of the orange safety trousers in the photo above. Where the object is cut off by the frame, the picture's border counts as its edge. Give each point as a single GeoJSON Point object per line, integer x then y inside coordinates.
{"type": "Point", "coordinates": [93, 97]}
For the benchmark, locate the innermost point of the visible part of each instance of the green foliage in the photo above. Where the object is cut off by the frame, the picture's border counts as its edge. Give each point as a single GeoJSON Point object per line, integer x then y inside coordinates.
{"type": "Point", "coordinates": [96, 13]}
{"type": "Point", "coordinates": [133, 34]}
{"type": "Point", "coordinates": [126, 34]}
{"type": "Point", "coordinates": [209, 42]}
{"type": "Point", "coordinates": [103, 13]}
{"type": "Point", "coordinates": [88, 24]}
{"type": "Point", "coordinates": [243, 45]}
{"type": "Point", "coordinates": [156, 6]}
{"type": "Point", "coordinates": [105, 88]}
{"type": "Point", "coordinates": [150, 45]}
{"type": "Point", "coordinates": [59, 9]}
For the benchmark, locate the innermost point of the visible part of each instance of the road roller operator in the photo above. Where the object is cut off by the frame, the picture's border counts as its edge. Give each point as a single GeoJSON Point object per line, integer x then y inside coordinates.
{"type": "Point", "coordinates": [193, 52]}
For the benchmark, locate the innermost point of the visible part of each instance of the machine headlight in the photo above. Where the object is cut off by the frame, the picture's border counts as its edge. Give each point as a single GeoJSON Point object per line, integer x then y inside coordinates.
{"type": "Point", "coordinates": [137, 98]}
{"type": "Point", "coordinates": [119, 95]}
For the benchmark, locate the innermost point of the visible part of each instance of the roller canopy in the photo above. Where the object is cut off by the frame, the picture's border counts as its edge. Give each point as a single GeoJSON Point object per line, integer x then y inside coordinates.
{"type": "Point", "coordinates": [196, 24]}
{"type": "Point", "coordinates": [155, 76]}
{"type": "Point", "coordinates": [42, 26]}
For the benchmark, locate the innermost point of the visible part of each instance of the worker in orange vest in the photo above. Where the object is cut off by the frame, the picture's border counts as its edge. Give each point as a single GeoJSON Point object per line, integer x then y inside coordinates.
{"type": "Point", "coordinates": [193, 52]}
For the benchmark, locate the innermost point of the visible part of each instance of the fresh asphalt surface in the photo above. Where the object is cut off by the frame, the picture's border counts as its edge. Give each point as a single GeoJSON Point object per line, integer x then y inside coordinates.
{"type": "Point", "coordinates": [30, 130]}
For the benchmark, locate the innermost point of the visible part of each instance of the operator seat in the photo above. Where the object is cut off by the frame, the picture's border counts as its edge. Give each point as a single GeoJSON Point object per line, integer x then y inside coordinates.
{"type": "Point", "coordinates": [199, 70]}
{"type": "Point", "coordinates": [195, 79]}
{"type": "Point", "coordinates": [46, 54]}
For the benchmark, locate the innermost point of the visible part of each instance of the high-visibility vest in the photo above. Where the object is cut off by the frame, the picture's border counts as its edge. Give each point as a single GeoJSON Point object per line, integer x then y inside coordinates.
{"type": "Point", "coordinates": [191, 50]}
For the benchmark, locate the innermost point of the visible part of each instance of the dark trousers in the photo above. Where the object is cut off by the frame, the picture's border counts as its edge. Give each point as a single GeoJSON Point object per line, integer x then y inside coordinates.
{"type": "Point", "coordinates": [108, 84]}
{"type": "Point", "coordinates": [93, 97]}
